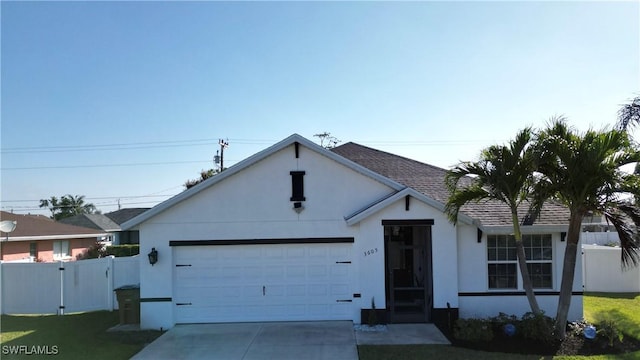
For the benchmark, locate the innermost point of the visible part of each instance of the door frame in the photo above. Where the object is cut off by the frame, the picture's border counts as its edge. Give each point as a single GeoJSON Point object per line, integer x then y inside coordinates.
{"type": "Point", "coordinates": [425, 243]}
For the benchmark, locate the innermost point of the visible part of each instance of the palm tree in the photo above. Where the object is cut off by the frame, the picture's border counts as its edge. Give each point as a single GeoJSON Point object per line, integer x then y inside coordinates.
{"type": "Point", "coordinates": [52, 204]}
{"type": "Point", "coordinates": [583, 172]}
{"type": "Point", "coordinates": [629, 115]}
{"type": "Point", "coordinates": [75, 205]}
{"type": "Point", "coordinates": [505, 174]}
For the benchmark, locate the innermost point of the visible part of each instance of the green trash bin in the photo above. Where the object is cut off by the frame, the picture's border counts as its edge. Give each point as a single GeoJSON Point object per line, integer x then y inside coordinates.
{"type": "Point", "coordinates": [129, 304]}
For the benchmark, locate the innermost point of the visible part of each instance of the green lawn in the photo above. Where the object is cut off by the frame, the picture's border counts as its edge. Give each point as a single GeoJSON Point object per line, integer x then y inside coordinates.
{"type": "Point", "coordinates": [73, 336]}
{"type": "Point", "coordinates": [624, 309]}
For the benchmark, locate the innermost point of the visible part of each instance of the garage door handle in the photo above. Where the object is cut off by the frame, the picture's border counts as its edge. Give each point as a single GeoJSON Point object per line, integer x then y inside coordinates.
{"type": "Point", "coordinates": [182, 304]}
{"type": "Point", "coordinates": [343, 300]}
{"type": "Point", "coordinates": [264, 291]}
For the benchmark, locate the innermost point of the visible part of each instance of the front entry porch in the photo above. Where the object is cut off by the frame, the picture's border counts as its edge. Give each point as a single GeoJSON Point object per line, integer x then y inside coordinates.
{"type": "Point", "coordinates": [408, 271]}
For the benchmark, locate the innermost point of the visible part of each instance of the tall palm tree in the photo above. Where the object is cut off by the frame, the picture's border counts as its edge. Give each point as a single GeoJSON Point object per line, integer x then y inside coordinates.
{"type": "Point", "coordinates": [629, 115]}
{"type": "Point", "coordinates": [583, 172]}
{"type": "Point", "coordinates": [505, 174]}
{"type": "Point", "coordinates": [75, 205]}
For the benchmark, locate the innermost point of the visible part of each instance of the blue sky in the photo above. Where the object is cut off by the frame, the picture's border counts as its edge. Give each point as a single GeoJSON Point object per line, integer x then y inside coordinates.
{"type": "Point", "coordinates": [126, 100]}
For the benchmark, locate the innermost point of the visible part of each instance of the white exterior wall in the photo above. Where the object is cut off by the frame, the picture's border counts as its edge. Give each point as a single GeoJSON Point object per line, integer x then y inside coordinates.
{"type": "Point", "coordinates": [473, 278]}
{"type": "Point", "coordinates": [443, 244]}
{"type": "Point", "coordinates": [255, 204]}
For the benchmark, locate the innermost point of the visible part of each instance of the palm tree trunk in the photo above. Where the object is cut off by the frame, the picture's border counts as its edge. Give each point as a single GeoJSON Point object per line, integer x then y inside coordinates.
{"type": "Point", "coordinates": [568, 272]}
{"type": "Point", "coordinates": [522, 263]}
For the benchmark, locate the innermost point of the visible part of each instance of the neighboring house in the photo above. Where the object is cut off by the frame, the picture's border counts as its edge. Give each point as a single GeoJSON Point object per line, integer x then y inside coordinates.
{"type": "Point", "coordinates": [299, 232]}
{"type": "Point", "coordinates": [120, 217]}
{"type": "Point", "coordinates": [97, 222]}
{"type": "Point", "coordinates": [38, 238]}
{"type": "Point", "coordinates": [110, 224]}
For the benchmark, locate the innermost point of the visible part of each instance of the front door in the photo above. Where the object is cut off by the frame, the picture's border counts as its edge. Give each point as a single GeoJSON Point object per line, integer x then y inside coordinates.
{"type": "Point", "coordinates": [408, 273]}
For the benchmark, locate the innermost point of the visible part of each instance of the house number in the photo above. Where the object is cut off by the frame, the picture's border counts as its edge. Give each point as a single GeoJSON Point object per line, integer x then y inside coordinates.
{"type": "Point", "coordinates": [370, 251]}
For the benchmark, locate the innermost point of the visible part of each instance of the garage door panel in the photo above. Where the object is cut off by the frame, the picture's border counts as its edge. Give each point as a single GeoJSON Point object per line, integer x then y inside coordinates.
{"type": "Point", "coordinates": [262, 283]}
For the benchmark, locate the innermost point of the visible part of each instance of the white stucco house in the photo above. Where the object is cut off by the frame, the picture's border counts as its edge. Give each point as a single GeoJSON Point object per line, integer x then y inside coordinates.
{"type": "Point", "coordinates": [299, 232]}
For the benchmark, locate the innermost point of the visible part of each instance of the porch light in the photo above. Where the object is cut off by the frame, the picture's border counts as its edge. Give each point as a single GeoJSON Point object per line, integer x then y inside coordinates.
{"type": "Point", "coordinates": [153, 256]}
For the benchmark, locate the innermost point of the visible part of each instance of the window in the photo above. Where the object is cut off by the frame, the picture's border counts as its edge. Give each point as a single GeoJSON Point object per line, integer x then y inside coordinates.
{"type": "Point", "coordinates": [297, 186]}
{"type": "Point", "coordinates": [503, 260]}
{"type": "Point", "coordinates": [33, 249]}
{"type": "Point", "coordinates": [61, 249]}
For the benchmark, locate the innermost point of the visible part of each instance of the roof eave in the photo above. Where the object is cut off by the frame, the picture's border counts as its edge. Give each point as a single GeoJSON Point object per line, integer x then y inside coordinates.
{"type": "Point", "coordinates": [387, 200]}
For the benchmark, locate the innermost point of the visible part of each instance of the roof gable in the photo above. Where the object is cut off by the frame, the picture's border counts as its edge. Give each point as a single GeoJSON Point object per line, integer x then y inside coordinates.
{"type": "Point", "coordinates": [291, 140]}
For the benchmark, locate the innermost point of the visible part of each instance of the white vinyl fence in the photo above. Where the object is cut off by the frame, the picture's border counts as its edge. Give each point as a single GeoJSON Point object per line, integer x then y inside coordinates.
{"type": "Point", "coordinates": [64, 287]}
{"type": "Point", "coordinates": [602, 272]}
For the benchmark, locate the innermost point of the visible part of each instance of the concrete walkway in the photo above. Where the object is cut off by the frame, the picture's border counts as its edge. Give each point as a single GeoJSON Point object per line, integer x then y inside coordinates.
{"type": "Point", "coordinates": [322, 340]}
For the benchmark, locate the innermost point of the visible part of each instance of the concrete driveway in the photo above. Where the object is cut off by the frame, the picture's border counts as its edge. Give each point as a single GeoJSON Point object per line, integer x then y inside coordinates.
{"type": "Point", "coordinates": [330, 340]}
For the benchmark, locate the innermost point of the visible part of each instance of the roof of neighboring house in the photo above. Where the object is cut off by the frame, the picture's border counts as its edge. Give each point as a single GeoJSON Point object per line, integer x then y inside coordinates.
{"type": "Point", "coordinates": [429, 180]}
{"type": "Point", "coordinates": [93, 221]}
{"type": "Point", "coordinates": [31, 227]}
{"type": "Point", "coordinates": [123, 215]}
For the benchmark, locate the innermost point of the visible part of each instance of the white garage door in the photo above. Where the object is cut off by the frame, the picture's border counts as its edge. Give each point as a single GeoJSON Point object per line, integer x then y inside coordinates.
{"type": "Point", "coordinates": [235, 283]}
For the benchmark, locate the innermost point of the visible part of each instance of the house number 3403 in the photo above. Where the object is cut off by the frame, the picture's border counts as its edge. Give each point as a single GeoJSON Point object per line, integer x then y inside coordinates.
{"type": "Point", "coordinates": [370, 251]}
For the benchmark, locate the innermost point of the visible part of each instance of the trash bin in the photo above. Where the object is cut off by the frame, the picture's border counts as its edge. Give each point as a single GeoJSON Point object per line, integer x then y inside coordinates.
{"type": "Point", "coordinates": [129, 304]}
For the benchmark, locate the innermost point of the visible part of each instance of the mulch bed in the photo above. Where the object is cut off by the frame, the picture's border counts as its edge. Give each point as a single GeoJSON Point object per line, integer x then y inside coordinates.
{"type": "Point", "coordinates": [572, 345]}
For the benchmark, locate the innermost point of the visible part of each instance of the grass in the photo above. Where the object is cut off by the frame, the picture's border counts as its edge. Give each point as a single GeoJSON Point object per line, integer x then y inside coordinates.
{"type": "Point", "coordinates": [73, 336]}
{"type": "Point", "coordinates": [623, 309]}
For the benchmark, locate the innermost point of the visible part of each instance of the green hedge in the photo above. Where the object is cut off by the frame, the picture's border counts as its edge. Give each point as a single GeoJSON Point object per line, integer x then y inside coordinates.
{"type": "Point", "coordinates": [123, 250]}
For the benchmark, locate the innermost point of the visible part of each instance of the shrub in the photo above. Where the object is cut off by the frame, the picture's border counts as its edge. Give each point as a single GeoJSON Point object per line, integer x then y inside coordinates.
{"type": "Point", "coordinates": [501, 320]}
{"type": "Point", "coordinates": [94, 251]}
{"type": "Point", "coordinates": [609, 330]}
{"type": "Point", "coordinates": [123, 250]}
{"type": "Point", "coordinates": [473, 330]}
{"type": "Point", "coordinates": [537, 327]}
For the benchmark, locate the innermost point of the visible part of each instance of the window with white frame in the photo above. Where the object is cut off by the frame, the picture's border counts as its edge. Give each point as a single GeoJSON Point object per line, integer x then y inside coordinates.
{"type": "Point", "coordinates": [61, 249]}
{"type": "Point", "coordinates": [503, 262]}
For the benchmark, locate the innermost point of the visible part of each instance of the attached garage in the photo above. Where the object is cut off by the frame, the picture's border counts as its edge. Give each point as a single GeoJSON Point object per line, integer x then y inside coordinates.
{"type": "Point", "coordinates": [262, 280]}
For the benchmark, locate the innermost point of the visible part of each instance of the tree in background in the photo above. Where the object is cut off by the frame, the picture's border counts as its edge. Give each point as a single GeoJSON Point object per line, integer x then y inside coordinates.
{"type": "Point", "coordinates": [67, 206]}
{"type": "Point", "coordinates": [629, 115]}
{"type": "Point", "coordinates": [327, 140]}
{"type": "Point", "coordinates": [204, 175]}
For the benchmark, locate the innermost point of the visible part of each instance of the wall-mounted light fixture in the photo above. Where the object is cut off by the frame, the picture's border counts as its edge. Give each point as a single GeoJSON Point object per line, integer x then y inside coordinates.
{"type": "Point", "coordinates": [153, 256]}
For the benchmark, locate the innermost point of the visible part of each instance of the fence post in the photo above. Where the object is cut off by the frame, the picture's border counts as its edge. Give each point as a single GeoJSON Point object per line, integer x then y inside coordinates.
{"type": "Point", "coordinates": [110, 276]}
{"type": "Point", "coordinates": [61, 271]}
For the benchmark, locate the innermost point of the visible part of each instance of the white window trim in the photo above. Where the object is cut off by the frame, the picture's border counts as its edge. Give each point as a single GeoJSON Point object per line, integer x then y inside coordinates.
{"type": "Point", "coordinates": [519, 278]}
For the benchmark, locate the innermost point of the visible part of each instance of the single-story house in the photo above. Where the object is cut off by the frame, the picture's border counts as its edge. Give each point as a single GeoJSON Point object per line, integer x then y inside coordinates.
{"type": "Point", "coordinates": [300, 232]}
{"type": "Point", "coordinates": [110, 224]}
{"type": "Point", "coordinates": [38, 238]}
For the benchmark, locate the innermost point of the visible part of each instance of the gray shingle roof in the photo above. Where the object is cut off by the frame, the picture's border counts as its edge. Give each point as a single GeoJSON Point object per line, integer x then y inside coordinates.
{"type": "Point", "coordinates": [93, 221]}
{"type": "Point", "coordinates": [429, 180]}
{"type": "Point", "coordinates": [124, 215]}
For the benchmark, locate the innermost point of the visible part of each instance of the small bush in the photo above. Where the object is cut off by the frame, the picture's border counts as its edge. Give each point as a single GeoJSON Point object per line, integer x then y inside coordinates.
{"type": "Point", "coordinates": [610, 331]}
{"type": "Point", "coordinates": [537, 327]}
{"type": "Point", "coordinates": [473, 330]}
{"type": "Point", "coordinates": [94, 251]}
{"type": "Point", "coordinates": [123, 250]}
